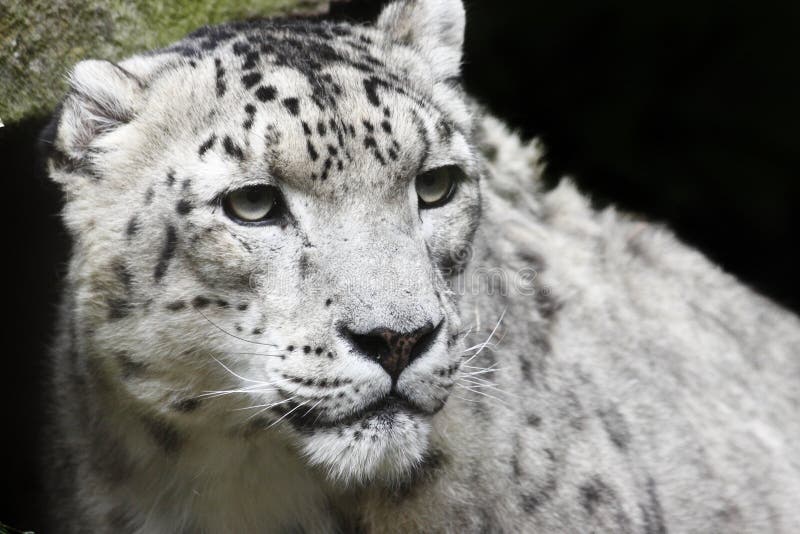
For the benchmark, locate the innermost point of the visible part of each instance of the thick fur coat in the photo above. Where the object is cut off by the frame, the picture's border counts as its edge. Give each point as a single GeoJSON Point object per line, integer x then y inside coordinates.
{"type": "Point", "coordinates": [558, 369]}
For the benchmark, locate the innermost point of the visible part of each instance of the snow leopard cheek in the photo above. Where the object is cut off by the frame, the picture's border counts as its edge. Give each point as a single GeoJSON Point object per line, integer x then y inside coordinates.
{"type": "Point", "coordinates": [451, 232]}
{"type": "Point", "coordinates": [219, 261]}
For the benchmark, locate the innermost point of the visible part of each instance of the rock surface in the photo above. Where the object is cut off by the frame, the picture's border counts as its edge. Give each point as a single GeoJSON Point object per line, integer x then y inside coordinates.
{"type": "Point", "coordinates": [41, 39]}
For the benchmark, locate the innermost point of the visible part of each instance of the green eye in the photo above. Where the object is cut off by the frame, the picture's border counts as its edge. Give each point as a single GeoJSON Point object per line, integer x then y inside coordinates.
{"type": "Point", "coordinates": [436, 187]}
{"type": "Point", "coordinates": [252, 204]}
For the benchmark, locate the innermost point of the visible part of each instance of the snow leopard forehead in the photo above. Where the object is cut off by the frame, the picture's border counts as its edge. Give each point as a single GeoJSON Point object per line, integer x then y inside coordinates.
{"type": "Point", "coordinates": [317, 101]}
{"type": "Point", "coordinates": [325, 106]}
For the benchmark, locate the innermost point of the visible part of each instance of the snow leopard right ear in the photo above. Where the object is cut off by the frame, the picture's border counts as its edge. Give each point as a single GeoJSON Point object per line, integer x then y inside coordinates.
{"type": "Point", "coordinates": [435, 28]}
{"type": "Point", "coordinates": [102, 96]}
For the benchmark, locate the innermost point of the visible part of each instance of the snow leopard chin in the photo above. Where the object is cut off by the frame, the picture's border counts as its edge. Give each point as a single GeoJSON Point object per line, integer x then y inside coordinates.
{"type": "Point", "coordinates": [383, 448]}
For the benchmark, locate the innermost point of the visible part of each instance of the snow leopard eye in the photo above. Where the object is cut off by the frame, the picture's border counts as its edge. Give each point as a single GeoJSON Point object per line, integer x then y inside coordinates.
{"type": "Point", "coordinates": [436, 187]}
{"type": "Point", "coordinates": [252, 204]}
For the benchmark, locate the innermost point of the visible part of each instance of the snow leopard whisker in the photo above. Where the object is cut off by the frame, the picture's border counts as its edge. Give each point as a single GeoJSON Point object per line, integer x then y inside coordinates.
{"type": "Point", "coordinates": [240, 377]}
{"type": "Point", "coordinates": [462, 333]}
{"type": "Point", "coordinates": [253, 388]}
{"type": "Point", "coordinates": [482, 384]}
{"type": "Point", "coordinates": [476, 377]}
{"type": "Point", "coordinates": [482, 368]}
{"type": "Point", "coordinates": [248, 390]}
{"type": "Point", "coordinates": [478, 347]}
{"type": "Point", "coordinates": [484, 371]}
{"type": "Point", "coordinates": [475, 389]}
{"type": "Point", "coordinates": [488, 339]}
{"type": "Point", "coordinates": [477, 381]}
{"type": "Point", "coordinates": [257, 354]}
{"type": "Point", "coordinates": [502, 401]}
{"type": "Point", "coordinates": [315, 405]}
{"type": "Point", "coordinates": [466, 399]}
{"type": "Point", "coordinates": [492, 387]}
{"type": "Point", "coordinates": [267, 405]}
{"type": "Point", "coordinates": [270, 406]}
{"type": "Point", "coordinates": [215, 325]}
{"type": "Point", "coordinates": [288, 413]}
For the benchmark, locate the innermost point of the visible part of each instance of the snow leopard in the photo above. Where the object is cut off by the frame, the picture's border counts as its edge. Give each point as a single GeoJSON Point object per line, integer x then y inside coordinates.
{"type": "Point", "coordinates": [316, 287]}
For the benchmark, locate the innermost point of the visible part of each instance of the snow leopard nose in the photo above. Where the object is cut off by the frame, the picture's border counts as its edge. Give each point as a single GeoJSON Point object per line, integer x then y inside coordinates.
{"type": "Point", "coordinates": [394, 351]}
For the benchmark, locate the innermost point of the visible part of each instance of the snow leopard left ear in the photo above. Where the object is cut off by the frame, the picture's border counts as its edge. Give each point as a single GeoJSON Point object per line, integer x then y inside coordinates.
{"type": "Point", "coordinates": [434, 27]}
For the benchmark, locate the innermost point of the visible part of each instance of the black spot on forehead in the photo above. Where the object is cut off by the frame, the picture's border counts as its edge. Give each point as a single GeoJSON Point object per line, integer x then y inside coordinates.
{"type": "Point", "coordinates": [312, 151]}
{"type": "Point", "coordinates": [239, 48]}
{"type": "Point", "coordinates": [250, 60]}
{"type": "Point", "coordinates": [250, 79]}
{"type": "Point", "coordinates": [308, 46]}
{"type": "Point", "coordinates": [232, 148]}
{"type": "Point", "coordinates": [326, 169]}
{"type": "Point", "coordinates": [207, 144]}
{"type": "Point", "coordinates": [424, 136]}
{"type": "Point", "coordinates": [293, 105]}
{"type": "Point", "coordinates": [266, 93]}
{"type": "Point", "coordinates": [183, 207]}
{"type": "Point", "coordinates": [220, 77]}
{"type": "Point", "coordinates": [132, 228]}
{"type": "Point", "coordinates": [371, 86]}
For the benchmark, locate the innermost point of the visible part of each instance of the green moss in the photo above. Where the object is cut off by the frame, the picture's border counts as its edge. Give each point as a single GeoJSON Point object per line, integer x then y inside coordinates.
{"type": "Point", "coordinates": [41, 39]}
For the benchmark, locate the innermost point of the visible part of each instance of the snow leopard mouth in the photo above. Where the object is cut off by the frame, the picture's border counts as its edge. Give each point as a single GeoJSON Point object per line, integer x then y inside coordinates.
{"type": "Point", "coordinates": [381, 413]}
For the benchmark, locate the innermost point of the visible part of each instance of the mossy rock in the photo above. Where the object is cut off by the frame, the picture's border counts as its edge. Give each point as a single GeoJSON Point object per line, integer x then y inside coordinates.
{"type": "Point", "coordinates": [41, 39]}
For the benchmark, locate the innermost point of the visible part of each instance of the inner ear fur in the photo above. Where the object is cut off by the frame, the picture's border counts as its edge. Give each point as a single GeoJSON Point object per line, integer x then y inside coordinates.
{"type": "Point", "coordinates": [101, 97]}
{"type": "Point", "coordinates": [435, 28]}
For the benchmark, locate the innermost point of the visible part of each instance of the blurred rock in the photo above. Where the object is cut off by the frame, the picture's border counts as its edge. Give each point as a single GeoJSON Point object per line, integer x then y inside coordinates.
{"type": "Point", "coordinates": [41, 39]}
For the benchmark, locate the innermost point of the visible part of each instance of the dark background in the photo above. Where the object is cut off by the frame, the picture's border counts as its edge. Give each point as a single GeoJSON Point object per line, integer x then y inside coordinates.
{"type": "Point", "coordinates": [685, 113]}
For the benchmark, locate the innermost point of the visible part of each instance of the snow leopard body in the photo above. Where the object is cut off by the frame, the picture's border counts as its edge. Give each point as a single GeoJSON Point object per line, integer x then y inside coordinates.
{"type": "Point", "coordinates": [588, 372]}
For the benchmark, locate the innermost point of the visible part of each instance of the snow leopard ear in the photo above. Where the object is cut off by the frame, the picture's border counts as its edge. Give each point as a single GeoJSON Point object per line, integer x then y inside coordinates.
{"type": "Point", "coordinates": [434, 27]}
{"type": "Point", "coordinates": [102, 96]}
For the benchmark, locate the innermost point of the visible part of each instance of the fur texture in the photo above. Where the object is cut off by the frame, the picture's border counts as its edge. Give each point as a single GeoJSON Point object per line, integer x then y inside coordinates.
{"type": "Point", "coordinates": [587, 372]}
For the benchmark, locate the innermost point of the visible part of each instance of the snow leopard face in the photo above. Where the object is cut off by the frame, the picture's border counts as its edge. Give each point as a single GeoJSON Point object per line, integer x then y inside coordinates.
{"type": "Point", "coordinates": [266, 217]}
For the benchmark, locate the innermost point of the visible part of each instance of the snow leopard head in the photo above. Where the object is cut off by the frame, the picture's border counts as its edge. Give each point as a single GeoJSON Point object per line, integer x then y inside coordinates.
{"type": "Point", "coordinates": [266, 220]}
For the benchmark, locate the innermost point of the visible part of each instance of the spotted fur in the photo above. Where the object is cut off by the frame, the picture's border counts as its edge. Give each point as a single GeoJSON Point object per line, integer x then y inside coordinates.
{"type": "Point", "coordinates": [587, 372]}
